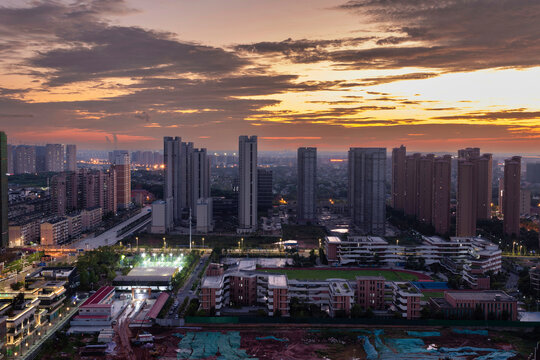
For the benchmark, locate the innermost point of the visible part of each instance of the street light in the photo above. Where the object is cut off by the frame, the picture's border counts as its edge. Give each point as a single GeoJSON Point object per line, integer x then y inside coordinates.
{"type": "Point", "coordinates": [203, 242]}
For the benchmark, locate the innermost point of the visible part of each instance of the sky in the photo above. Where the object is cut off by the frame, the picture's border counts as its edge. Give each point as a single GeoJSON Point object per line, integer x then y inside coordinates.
{"type": "Point", "coordinates": [434, 75]}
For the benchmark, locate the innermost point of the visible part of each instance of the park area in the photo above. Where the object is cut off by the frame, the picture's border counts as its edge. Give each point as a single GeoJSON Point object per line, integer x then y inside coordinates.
{"type": "Point", "coordinates": [347, 274]}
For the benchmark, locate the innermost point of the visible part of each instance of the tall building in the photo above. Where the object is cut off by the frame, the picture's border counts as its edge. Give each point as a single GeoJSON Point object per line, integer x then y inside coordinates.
{"type": "Point", "coordinates": [466, 200]}
{"type": "Point", "coordinates": [41, 159]}
{"type": "Point", "coordinates": [367, 176]}
{"type": "Point", "coordinates": [265, 194]}
{"type": "Point", "coordinates": [482, 178]}
{"type": "Point", "coordinates": [109, 187]}
{"type": "Point", "coordinates": [425, 188]}
{"type": "Point", "coordinates": [25, 159]}
{"type": "Point", "coordinates": [4, 198]}
{"type": "Point", "coordinates": [525, 202]}
{"type": "Point", "coordinates": [501, 195]}
{"type": "Point", "coordinates": [442, 170]}
{"type": "Point", "coordinates": [247, 171]}
{"type": "Point", "coordinates": [186, 176]}
{"type": "Point", "coordinates": [468, 153]}
{"type": "Point", "coordinates": [58, 194]}
{"type": "Point", "coordinates": [511, 198]}
{"type": "Point", "coordinates": [71, 157]}
{"type": "Point", "coordinates": [399, 166]}
{"type": "Point", "coordinates": [122, 166]}
{"type": "Point", "coordinates": [200, 178]}
{"type": "Point", "coordinates": [307, 185]}
{"type": "Point", "coordinates": [11, 159]}
{"type": "Point", "coordinates": [484, 186]}
{"type": "Point", "coordinates": [172, 154]}
{"type": "Point", "coordinates": [532, 173]}
{"type": "Point", "coordinates": [411, 184]}
{"type": "Point", "coordinates": [54, 158]}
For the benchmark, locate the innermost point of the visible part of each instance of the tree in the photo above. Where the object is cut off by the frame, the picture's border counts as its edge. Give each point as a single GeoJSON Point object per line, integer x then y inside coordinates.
{"type": "Point", "coordinates": [369, 313]}
{"type": "Point", "coordinates": [356, 311]}
{"type": "Point", "coordinates": [478, 313]}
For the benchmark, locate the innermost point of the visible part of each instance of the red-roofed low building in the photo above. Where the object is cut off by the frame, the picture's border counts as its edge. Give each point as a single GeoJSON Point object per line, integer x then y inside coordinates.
{"type": "Point", "coordinates": [95, 313]}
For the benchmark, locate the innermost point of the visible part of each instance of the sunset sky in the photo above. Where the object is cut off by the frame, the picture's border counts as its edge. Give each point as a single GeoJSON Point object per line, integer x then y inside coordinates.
{"type": "Point", "coordinates": [435, 75]}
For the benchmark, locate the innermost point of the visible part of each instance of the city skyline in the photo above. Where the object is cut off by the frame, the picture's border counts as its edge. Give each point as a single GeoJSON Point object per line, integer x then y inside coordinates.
{"type": "Point", "coordinates": [326, 74]}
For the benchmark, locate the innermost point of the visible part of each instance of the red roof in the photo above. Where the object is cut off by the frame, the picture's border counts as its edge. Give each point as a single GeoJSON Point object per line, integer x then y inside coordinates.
{"type": "Point", "coordinates": [91, 317]}
{"type": "Point", "coordinates": [156, 308]}
{"type": "Point", "coordinates": [99, 295]}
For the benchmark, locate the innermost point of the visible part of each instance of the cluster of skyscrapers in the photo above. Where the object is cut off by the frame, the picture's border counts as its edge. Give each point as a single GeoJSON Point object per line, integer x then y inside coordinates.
{"type": "Point", "coordinates": [187, 185]}
{"type": "Point", "coordinates": [29, 159]}
{"type": "Point", "coordinates": [421, 187]}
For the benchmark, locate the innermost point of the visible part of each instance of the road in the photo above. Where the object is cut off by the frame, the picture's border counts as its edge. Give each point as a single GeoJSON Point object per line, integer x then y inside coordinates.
{"type": "Point", "coordinates": [512, 282]}
{"type": "Point", "coordinates": [185, 290]}
{"type": "Point", "coordinates": [108, 237]}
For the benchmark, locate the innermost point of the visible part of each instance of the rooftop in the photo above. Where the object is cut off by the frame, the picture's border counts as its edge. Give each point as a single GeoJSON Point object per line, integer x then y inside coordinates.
{"type": "Point", "coordinates": [277, 281]}
{"type": "Point", "coordinates": [487, 295]}
{"type": "Point", "coordinates": [212, 282]}
{"type": "Point", "coordinates": [152, 271]}
{"type": "Point", "coordinates": [99, 295]}
{"type": "Point", "coordinates": [333, 239]}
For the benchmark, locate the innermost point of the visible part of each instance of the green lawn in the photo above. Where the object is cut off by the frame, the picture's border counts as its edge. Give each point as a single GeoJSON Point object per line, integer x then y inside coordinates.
{"type": "Point", "coordinates": [342, 274]}
{"type": "Point", "coordinates": [433, 294]}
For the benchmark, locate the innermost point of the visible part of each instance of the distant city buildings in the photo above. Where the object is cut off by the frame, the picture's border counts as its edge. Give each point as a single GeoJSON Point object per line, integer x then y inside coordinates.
{"type": "Point", "coordinates": [532, 172]}
{"type": "Point", "coordinates": [71, 157]}
{"type": "Point", "coordinates": [511, 198]}
{"type": "Point", "coordinates": [307, 185]}
{"type": "Point", "coordinates": [24, 159]}
{"type": "Point", "coordinates": [200, 178]}
{"type": "Point", "coordinates": [421, 187]}
{"type": "Point", "coordinates": [122, 166]}
{"type": "Point", "coordinates": [367, 177]}
{"type": "Point", "coordinates": [399, 165]}
{"type": "Point", "coordinates": [247, 192]}
{"type": "Point", "coordinates": [172, 153]}
{"type": "Point", "coordinates": [54, 157]}
{"type": "Point", "coordinates": [4, 199]}
{"type": "Point", "coordinates": [265, 194]}
{"type": "Point", "coordinates": [474, 193]}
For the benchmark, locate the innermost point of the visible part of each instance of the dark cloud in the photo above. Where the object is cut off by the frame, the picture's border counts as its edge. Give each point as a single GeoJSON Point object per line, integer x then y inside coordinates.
{"type": "Point", "coordinates": [511, 114]}
{"type": "Point", "coordinates": [448, 35]}
{"type": "Point", "coordinates": [291, 47]}
{"type": "Point", "coordinates": [391, 78]}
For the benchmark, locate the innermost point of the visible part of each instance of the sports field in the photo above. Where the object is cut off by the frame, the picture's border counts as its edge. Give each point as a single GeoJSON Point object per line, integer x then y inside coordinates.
{"type": "Point", "coordinates": [323, 274]}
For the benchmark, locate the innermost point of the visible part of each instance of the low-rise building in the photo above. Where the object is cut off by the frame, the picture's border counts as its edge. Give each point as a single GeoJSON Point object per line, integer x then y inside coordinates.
{"type": "Point", "coordinates": [243, 285]}
{"type": "Point", "coordinates": [370, 292]}
{"type": "Point", "coordinates": [67, 274]}
{"type": "Point", "coordinates": [95, 313]}
{"type": "Point", "coordinates": [489, 304]}
{"type": "Point", "coordinates": [534, 275]}
{"type": "Point", "coordinates": [24, 232]}
{"type": "Point", "coordinates": [204, 214]}
{"type": "Point", "coordinates": [54, 231]}
{"type": "Point", "coordinates": [473, 258]}
{"type": "Point", "coordinates": [91, 218]}
{"type": "Point", "coordinates": [407, 300]}
{"type": "Point", "coordinates": [74, 224]}
{"type": "Point", "coordinates": [341, 297]}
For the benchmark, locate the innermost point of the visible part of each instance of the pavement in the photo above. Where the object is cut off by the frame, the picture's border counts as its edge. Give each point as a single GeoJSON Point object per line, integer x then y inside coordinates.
{"type": "Point", "coordinates": [109, 237]}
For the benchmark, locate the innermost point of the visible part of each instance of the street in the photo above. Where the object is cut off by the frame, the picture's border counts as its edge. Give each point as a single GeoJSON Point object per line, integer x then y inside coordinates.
{"type": "Point", "coordinates": [108, 237]}
{"type": "Point", "coordinates": [185, 291]}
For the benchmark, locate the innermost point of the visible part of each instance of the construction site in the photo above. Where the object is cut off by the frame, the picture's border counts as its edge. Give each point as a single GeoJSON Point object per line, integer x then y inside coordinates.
{"type": "Point", "coordinates": [301, 342]}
